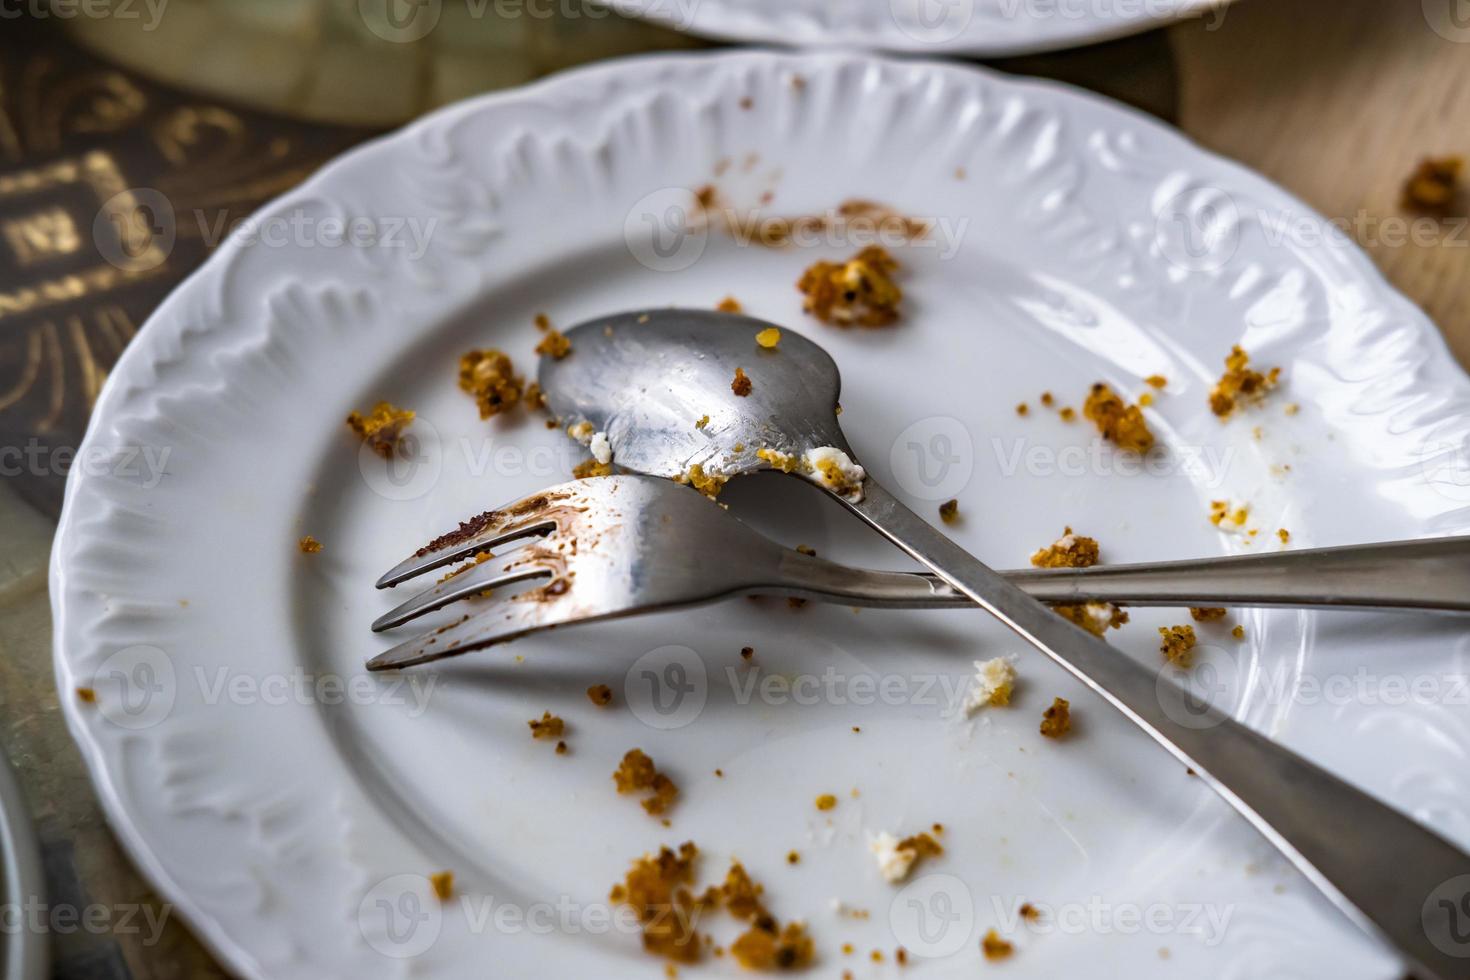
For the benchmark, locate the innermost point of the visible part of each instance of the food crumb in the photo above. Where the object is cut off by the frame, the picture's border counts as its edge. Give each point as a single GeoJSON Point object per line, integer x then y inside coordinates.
{"type": "Point", "coordinates": [949, 511]}
{"type": "Point", "coordinates": [1176, 644]}
{"type": "Point", "coordinates": [1228, 516]}
{"type": "Point", "coordinates": [547, 726]}
{"type": "Point", "coordinates": [741, 384]}
{"type": "Point", "coordinates": [729, 305]}
{"type": "Point", "coordinates": [1238, 632]}
{"type": "Point", "coordinates": [993, 684]}
{"type": "Point", "coordinates": [1284, 535]}
{"type": "Point", "coordinates": [636, 773]}
{"type": "Point", "coordinates": [589, 468]}
{"type": "Point", "coordinates": [896, 858]}
{"type": "Point", "coordinates": [769, 338]}
{"type": "Point", "coordinates": [994, 947]}
{"type": "Point", "coordinates": [1207, 614]}
{"type": "Point", "coordinates": [1068, 414]}
{"type": "Point", "coordinates": [1434, 185]}
{"type": "Point", "coordinates": [859, 291]}
{"type": "Point", "coordinates": [658, 889]}
{"type": "Point", "coordinates": [1095, 617]}
{"type": "Point", "coordinates": [555, 343]}
{"type": "Point", "coordinates": [1240, 385]}
{"type": "Point", "coordinates": [1056, 721]}
{"type": "Point", "coordinates": [490, 377]}
{"type": "Point", "coordinates": [600, 695]}
{"type": "Point", "coordinates": [747, 652]}
{"type": "Point", "coordinates": [1023, 409]}
{"type": "Point", "coordinates": [703, 421]}
{"type": "Point", "coordinates": [1069, 551]}
{"type": "Point", "coordinates": [381, 427]}
{"type": "Point", "coordinates": [87, 695]}
{"type": "Point", "coordinates": [826, 802]}
{"type": "Point", "coordinates": [309, 545]}
{"type": "Point", "coordinates": [1291, 408]}
{"type": "Point", "coordinates": [561, 748]}
{"type": "Point", "coordinates": [1029, 912]}
{"type": "Point", "coordinates": [1156, 381]}
{"type": "Point", "coordinates": [1116, 420]}
{"type": "Point", "coordinates": [793, 857]}
{"type": "Point", "coordinates": [1047, 399]}
{"type": "Point", "coordinates": [443, 885]}
{"type": "Point", "coordinates": [709, 484]}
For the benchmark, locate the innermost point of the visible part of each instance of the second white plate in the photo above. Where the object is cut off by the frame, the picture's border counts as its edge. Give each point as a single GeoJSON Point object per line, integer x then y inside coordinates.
{"type": "Point", "coordinates": [979, 28]}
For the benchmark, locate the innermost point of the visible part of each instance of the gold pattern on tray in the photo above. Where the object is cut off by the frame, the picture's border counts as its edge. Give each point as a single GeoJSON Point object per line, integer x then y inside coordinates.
{"type": "Point", "coordinates": [112, 189]}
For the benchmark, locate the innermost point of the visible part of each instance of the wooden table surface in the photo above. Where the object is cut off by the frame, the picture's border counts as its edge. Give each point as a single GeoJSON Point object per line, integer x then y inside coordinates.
{"type": "Point", "coordinates": [1335, 101]}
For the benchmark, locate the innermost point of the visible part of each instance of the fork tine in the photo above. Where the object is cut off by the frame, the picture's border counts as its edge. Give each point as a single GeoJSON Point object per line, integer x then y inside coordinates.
{"type": "Point", "coordinates": [495, 528]}
{"type": "Point", "coordinates": [472, 581]}
{"type": "Point", "coordinates": [504, 620]}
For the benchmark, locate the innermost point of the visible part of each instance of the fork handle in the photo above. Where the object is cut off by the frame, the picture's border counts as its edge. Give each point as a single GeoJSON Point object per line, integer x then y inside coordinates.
{"type": "Point", "coordinates": [1388, 873]}
{"type": "Point", "coordinates": [1431, 574]}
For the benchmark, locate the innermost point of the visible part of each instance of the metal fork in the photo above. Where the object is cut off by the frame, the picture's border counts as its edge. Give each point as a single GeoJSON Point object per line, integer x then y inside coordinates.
{"type": "Point", "coordinates": [622, 545]}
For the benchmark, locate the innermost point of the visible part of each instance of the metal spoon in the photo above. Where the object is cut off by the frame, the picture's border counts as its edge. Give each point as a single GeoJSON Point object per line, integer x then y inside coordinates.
{"type": "Point", "coordinates": [648, 380]}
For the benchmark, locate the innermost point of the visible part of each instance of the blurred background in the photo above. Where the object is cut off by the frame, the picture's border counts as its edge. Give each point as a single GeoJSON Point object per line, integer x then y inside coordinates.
{"type": "Point", "coordinates": [215, 106]}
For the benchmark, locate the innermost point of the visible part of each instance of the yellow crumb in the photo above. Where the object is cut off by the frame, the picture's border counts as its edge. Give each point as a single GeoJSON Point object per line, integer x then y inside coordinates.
{"type": "Point", "coordinates": [1240, 385]}
{"type": "Point", "coordinates": [381, 427]}
{"type": "Point", "coordinates": [860, 291]}
{"type": "Point", "coordinates": [741, 384]}
{"type": "Point", "coordinates": [443, 884]}
{"type": "Point", "coordinates": [1056, 721]}
{"type": "Point", "coordinates": [1116, 420]}
{"type": "Point", "coordinates": [1068, 551]}
{"type": "Point", "coordinates": [309, 545]}
{"type": "Point", "coordinates": [768, 338]}
{"type": "Point", "coordinates": [994, 947]}
{"type": "Point", "coordinates": [1176, 644]}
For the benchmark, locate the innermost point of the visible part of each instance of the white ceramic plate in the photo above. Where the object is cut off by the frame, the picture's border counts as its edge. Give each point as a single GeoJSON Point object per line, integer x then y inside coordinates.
{"type": "Point", "coordinates": [982, 28]}
{"type": "Point", "coordinates": [293, 823]}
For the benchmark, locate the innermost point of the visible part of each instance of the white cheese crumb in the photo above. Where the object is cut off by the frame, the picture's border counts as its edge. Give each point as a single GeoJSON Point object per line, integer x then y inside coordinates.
{"type": "Point", "coordinates": [601, 450]}
{"type": "Point", "coordinates": [994, 680]}
{"type": "Point", "coordinates": [893, 862]}
{"type": "Point", "coordinates": [830, 467]}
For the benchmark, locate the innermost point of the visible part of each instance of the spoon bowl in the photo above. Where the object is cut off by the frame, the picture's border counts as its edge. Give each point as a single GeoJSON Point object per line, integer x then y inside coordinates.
{"type": "Point", "coordinates": [659, 384]}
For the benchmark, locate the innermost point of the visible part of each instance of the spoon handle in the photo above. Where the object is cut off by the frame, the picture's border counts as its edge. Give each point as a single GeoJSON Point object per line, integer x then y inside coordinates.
{"type": "Point", "coordinates": [1385, 871]}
